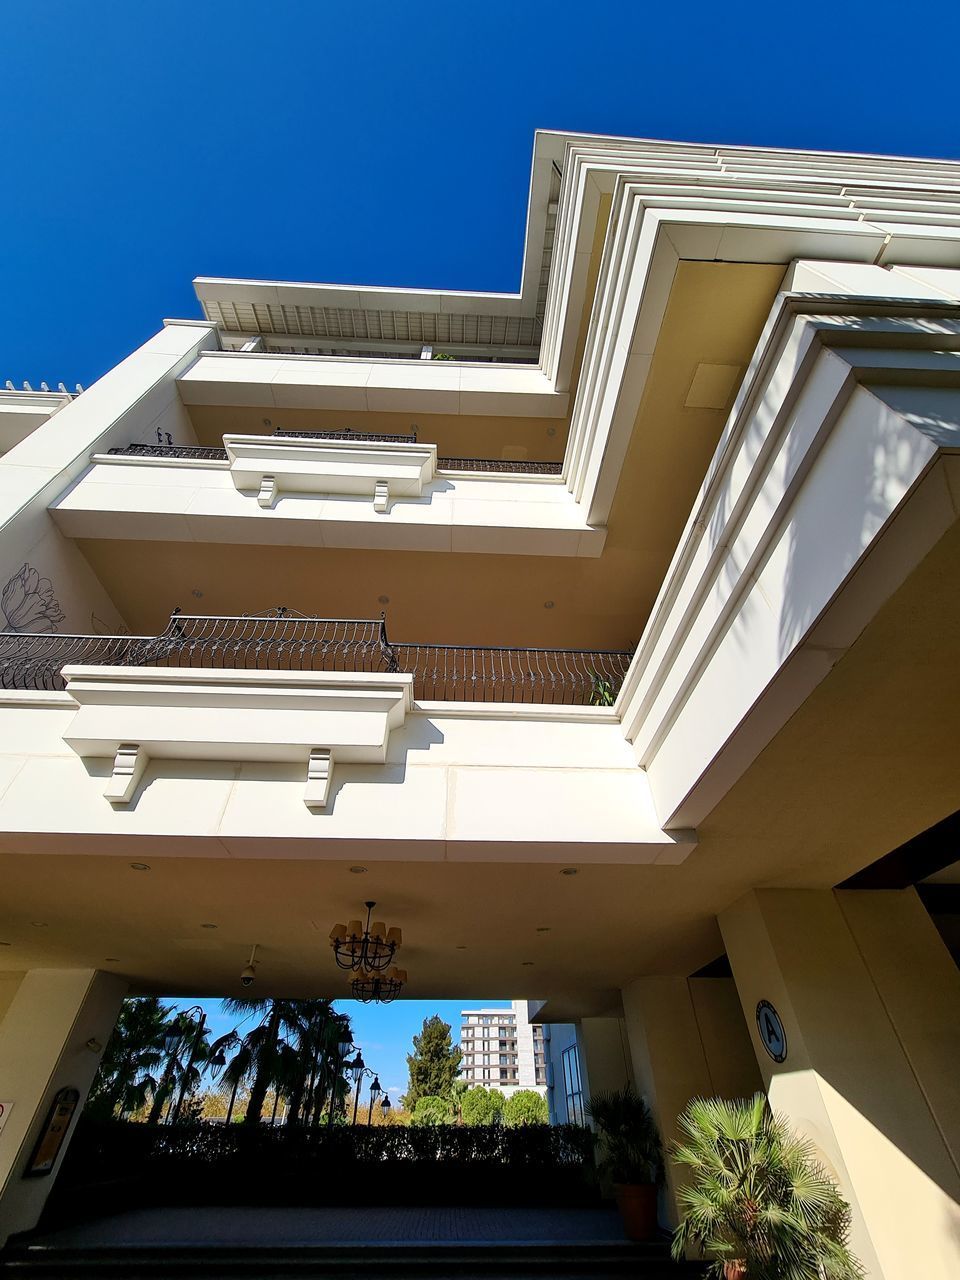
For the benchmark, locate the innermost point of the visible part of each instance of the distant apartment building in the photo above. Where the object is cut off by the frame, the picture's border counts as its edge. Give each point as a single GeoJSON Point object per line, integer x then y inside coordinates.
{"type": "Point", "coordinates": [503, 1050]}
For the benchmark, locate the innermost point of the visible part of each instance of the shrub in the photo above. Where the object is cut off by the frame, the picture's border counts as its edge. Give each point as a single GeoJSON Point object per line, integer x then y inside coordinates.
{"type": "Point", "coordinates": [431, 1110]}
{"type": "Point", "coordinates": [630, 1150]}
{"type": "Point", "coordinates": [482, 1106]}
{"type": "Point", "coordinates": [526, 1106]}
{"type": "Point", "coordinates": [758, 1196]}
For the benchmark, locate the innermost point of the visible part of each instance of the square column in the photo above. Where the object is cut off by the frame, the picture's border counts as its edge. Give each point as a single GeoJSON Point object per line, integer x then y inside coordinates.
{"type": "Point", "coordinates": [52, 1036]}
{"type": "Point", "coordinates": [687, 1040]}
{"type": "Point", "coordinates": [604, 1055]}
{"type": "Point", "coordinates": [865, 1023]}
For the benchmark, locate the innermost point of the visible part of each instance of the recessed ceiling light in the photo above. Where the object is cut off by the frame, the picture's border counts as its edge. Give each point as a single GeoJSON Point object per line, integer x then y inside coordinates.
{"type": "Point", "coordinates": [551, 431]}
{"type": "Point", "coordinates": [197, 593]}
{"type": "Point", "coordinates": [139, 866]}
{"type": "Point", "coordinates": [39, 924]}
{"type": "Point", "coordinates": [111, 960]}
{"type": "Point", "coordinates": [526, 963]}
{"type": "Point", "coordinates": [358, 871]}
{"type": "Point", "coordinates": [569, 871]}
{"type": "Point", "coordinates": [461, 946]}
{"type": "Point", "coordinates": [383, 599]}
{"type": "Point", "coordinates": [543, 928]}
{"type": "Point", "coordinates": [548, 604]}
{"type": "Point", "coordinates": [208, 926]}
{"type": "Point", "coordinates": [267, 422]}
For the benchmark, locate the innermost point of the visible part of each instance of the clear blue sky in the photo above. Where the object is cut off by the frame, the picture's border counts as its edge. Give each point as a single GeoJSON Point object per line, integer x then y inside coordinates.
{"type": "Point", "coordinates": [384, 1033]}
{"type": "Point", "coordinates": [144, 144]}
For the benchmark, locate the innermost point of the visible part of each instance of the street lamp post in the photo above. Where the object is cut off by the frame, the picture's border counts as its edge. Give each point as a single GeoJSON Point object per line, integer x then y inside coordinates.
{"type": "Point", "coordinates": [194, 1048]}
{"type": "Point", "coordinates": [358, 1070]}
{"type": "Point", "coordinates": [375, 1092]}
{"type": "Point", "coordinates": [219, 1059]}
{"type": "Point", "coordinates": [385, 1105]}
{"type": "Point", "coordinates": [344, 1045]}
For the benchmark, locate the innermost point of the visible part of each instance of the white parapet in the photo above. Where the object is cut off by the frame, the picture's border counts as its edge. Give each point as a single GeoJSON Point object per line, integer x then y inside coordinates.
{"type": "Point", "coordinates": [272, 466]}
{"type": "Point", "coordinates": [133, 715]}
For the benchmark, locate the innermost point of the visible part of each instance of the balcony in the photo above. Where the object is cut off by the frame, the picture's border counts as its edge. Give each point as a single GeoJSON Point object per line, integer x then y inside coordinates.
{"type": "Point", "coordinates": [327, 489]}
{"type": "Point", "coordinates": [287, 642]}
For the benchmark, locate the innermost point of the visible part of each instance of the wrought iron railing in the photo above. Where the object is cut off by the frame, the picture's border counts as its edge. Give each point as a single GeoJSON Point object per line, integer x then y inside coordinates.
{"type": "Point", "coordinates": [211, 453]}
{"type": "Point", "coordinates": [287, 641]}
{"type": "Point", "coordinates": [501, 466]}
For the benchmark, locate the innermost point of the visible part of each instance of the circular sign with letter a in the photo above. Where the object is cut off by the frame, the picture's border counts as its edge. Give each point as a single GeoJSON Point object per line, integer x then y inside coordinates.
{"type": "Point", "coordinates": [771, 1031]}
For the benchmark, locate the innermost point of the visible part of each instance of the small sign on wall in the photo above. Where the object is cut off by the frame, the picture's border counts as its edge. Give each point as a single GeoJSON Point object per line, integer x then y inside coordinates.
{"type": "Point", "coordinates": [5, 1109]}
{"type": "Point", "coordinates": [771, 1031]}
{"type": "Point", "coordinates": [53, 1134]}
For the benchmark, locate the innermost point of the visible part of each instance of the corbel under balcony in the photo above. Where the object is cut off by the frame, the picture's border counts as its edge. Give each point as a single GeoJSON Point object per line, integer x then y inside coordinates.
{"type": "Point", "coordinates": [313, 718]}
{"type": "Point", "coordinates": [271, 467]}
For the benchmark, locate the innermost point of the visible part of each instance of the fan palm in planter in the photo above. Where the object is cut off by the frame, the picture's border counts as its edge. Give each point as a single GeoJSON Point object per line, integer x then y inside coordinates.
{"type": "Point", "coordinates": [758, 1201]}
{"type": "Point", "coordinates": [631, 1155]}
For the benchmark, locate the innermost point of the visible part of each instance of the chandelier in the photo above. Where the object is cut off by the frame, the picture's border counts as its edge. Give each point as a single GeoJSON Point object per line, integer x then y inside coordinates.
{"type": "Point", "coordinates": [366, 949]}
{"type": "Point", "coordinates": [379, 988]}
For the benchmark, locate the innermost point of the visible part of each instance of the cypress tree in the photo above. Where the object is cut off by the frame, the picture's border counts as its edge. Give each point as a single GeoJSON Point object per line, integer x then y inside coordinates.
{"type": "Point", "coordinates": [434, 1063]}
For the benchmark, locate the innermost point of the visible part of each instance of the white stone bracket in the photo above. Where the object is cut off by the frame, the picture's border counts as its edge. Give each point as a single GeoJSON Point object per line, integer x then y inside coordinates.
{"type": "Point", "coordinates": [137, 715]}
{"type": "Point", "coordinates": [381, 497]}
{"type": "Point", "coordinates": [319, 777]}
{"type": "Point", "coordinates": [128, 766]}
{"type": "Point", "coordinates": [268, 492]}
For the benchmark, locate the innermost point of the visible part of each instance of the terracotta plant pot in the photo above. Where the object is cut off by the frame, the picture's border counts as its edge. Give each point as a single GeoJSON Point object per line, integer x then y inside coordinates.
{"type": "Point", "coordinates": [734, 1270]}
{"type": "Point", "coordinates": [638, 1209]}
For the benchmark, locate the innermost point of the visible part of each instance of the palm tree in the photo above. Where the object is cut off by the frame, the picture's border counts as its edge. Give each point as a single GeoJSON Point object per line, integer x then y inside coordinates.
{"type": "Point", "coordinates": [127, 1074]}
{"type": "Point", "coordinates": [320, 1030]}
{"type": "Point", "coordinates": [758, 1200]}
{"type": "Point", "coordinates": [265, 1054]}
{"type": "Point", "coordinates": [185, 1063]}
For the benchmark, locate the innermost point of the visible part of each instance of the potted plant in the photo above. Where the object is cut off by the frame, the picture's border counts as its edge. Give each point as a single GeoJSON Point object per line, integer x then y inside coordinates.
{"type": "Point", "coordinates": [758, 1201]}
{"type": "Point", "coordinates": [631, 1156]}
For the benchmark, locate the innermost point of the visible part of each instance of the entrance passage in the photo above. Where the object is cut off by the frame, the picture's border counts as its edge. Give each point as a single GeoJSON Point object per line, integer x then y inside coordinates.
{"type": "Point", "coordinates": [467, 1242]}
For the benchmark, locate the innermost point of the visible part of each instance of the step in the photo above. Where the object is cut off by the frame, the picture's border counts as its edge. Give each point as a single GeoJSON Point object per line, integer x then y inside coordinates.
{"type": "Point", "coordinates": [466, 1260]}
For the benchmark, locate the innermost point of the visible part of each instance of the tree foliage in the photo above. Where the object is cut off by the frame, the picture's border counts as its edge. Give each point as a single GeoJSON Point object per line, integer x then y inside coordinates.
{"type": "Point", "coordinates": [630, 1148]}
{"type": "Point", "coordinates": [526, 1106]}
{"type": "Point", "coordinates": [131, 1066]}
{"type": "Point", "coordinates": [431, 1111]}
{"type": "Point", "coordinates": [289, 1053]}
{"type": "Point", "coordinates": [758, 1196]}
{"type": "Point", "coordinates": [434, 1063]}
{"type": "Point", "coordinates": [482, 1106]}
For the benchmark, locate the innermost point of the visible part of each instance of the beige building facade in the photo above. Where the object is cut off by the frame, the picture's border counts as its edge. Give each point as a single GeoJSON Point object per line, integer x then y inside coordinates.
{"type": "Point", "coordinates": [613, 655]}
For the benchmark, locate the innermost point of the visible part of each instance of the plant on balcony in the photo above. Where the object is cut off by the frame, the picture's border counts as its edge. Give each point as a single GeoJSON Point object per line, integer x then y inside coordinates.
{"type": "Point", "coordinates": [758, 1201]}
{"type": "Point", "coordinates": [631, 1155]}
{"type": "Point", "coordinates": [601, 691]}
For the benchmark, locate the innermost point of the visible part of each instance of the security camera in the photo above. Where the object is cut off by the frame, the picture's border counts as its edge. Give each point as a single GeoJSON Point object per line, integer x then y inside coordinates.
{"type": "Point", "coordinates": [248, 974]}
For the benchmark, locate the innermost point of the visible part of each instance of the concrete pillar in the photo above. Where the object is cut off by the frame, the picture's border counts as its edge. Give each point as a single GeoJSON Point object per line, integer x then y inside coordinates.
{"type": "Point", "coordinates": [604, 1055]}
{"type": "Point", "coordinates": [687, 1040]}
{"type": "Point", "coordinates": [870, 1005]}
{"type": "Point", "coordinates": [44, 1037]}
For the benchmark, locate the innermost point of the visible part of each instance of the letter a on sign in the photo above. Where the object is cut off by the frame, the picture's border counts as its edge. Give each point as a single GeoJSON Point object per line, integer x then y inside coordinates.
{"type": "Point", "coordinates": [771, 1031]}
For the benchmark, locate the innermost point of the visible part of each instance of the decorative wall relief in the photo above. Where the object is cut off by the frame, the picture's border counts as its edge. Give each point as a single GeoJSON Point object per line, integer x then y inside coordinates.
{"type": "Point", "coordinates": [28, 602]}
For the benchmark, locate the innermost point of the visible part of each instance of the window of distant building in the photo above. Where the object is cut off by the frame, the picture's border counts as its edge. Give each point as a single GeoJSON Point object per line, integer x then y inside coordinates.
{"type": "Point", "coordinates": [572, 1088]}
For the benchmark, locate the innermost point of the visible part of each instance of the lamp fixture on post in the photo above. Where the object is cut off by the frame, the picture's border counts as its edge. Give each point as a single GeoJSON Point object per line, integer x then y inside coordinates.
{"type": "Point", "coordinates": [378, 988]}
{"type": "Point", "coordinates": [365, 948]}
{"type": "Point", "coordinates": [198, 1017]}
{"type": "Point", "coordinates": [375, 1091]}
